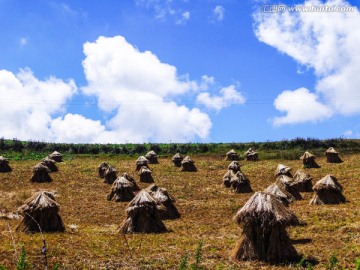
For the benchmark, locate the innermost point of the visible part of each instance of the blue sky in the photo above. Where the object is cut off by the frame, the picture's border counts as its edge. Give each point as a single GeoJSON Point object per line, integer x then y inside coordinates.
{"type": "Point", "coordinates": [179, 71]}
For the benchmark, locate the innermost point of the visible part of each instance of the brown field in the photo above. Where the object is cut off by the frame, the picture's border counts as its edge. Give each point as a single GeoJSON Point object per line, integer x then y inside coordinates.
{"type": "Point", "coordinates": [91, 240]}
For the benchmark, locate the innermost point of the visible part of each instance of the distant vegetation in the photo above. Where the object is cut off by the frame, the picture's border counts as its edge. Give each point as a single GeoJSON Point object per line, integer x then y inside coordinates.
{"type": "Point", "coordinates": [285, 149]}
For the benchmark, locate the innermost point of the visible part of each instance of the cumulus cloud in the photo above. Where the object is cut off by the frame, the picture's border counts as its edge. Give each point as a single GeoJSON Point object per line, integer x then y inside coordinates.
{"type": "Point", "coordinates": [130, 75]}
{"type": "Point", "coordinates": [138, 88]}
{"type": "Point", "coordinates": [28, 104]}
{"type": "Point", "coordinates": [228, 96]}
{"type": "Point", "coordinates": [76, 128]}
{"type": "Point", "coordinates": [324, 42]}
{"type": "Point", "coordinates": [300, 106]}
{"type": "Point", "coordinates": [219, 13]}
{"type": "Point", "coordinates": [135, 93]}
{"type": "Point", "coordinates": [165, 121]}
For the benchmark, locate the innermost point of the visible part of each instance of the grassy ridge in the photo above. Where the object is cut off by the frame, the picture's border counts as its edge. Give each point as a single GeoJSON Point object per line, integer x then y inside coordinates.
{"type": "Point", "coordinates": [288, 149]}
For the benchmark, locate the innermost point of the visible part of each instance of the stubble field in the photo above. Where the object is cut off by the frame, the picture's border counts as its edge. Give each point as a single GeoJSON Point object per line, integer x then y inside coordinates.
{"type": "Point", "coordinates": [91, 240]}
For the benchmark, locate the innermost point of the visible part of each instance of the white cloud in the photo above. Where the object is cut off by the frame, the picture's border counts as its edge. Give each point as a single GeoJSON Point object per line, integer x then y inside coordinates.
{"type": "Point", "coordinates": [184, 18]}
{"type": "Point", "coordinates": [164, 9]}
{"type": "Point", "coordinates": [28, 104]}
{"type": "Point", "coordinates": [219, 13]}
{"type": "Point", "coordinates": [206, 82]}
{"type": "Point", "coordinates": [138, 89]}
{"type": "Point", "coordinates": [134, 90]}
{"type": "Point", "coordinates": [160, 122]}
{"type": "Point", "coordinates": [130, 75]}
{"type": "Point", "coordinates": [300, 106]}
{"type": "Point", "coordinates": [76, 128]}
{"type": "Point", "coordinates": [228, 96]}
{"type": "Point", "coordinates": [324, 42]}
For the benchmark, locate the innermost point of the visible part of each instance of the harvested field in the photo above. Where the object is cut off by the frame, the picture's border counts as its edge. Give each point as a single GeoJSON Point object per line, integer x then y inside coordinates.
{"type": "Point", "coordinates": [207, 208]}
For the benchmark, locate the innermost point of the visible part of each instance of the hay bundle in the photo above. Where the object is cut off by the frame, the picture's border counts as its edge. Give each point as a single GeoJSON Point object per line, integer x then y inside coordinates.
{"type": "Point", "coordinates": [165, 201]}
{"type": "Point", "coordinates": [232, 155]}
{"type": "Point", "coordinates": [56, 156]}
{"type": "Point", "coordinates": [40, 174]}
{"type": "Point", "coordinates": [121, 190]}
{"type": "Point", "coordinates": [110, 175]}
{"type": "Point", "coordinates": [41, 210]}
{"type": "Point", "coordinates": [328, 191]}
{"type": "Point", "coordinates": [282, 169]}
{"type": "Point", "coordinates": [227, 178]}
{"type": "Point", "coordinates": [50, 163]}
{"type": "Point", "coordinates": [140, 162]}
{"type": "Point", "coordinates": [176, 159]}
{"type": "Point", "coordinates": [131, 179]}
{"type": "Point", "coordinates": [142, 216]}
{"type": "Point", "coordinates": [281, 194]}
{"type": "Point", "coordinates": [309, 160]}
{"type": "Point", "coordinates": [151, 156]}
{"type": "Point", "coordinates": [4, 165]}
{"type": "Point", "coordinates": [251, 155]}
{"type": "Point", "coordinates": [240, 183]}
{"type": "Point", "coordinates": [234, 166]}
{"type": "Point", "coordinates": [102, 169]}
{"type": "Point", "coordinates": [287, 183]}
{"type": "Point", "coordinates": [145, 175]}
{"type": "Point", "coordinates": [264, 219]}
{"type": "Point", "coordinates": [303, 181]}
{"type": "Point", "coordinates": [332, 156]}
{"type": "Point", "coordinates": [188, 165]}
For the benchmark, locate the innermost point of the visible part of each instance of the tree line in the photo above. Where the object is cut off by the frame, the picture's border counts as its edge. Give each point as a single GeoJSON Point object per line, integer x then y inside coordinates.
{"type": "Point", "coordinates": [297, 144]}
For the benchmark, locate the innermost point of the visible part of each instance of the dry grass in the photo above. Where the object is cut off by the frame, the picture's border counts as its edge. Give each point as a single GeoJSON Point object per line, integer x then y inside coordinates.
{"type": "Point", "coordinates": [207, 209]}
